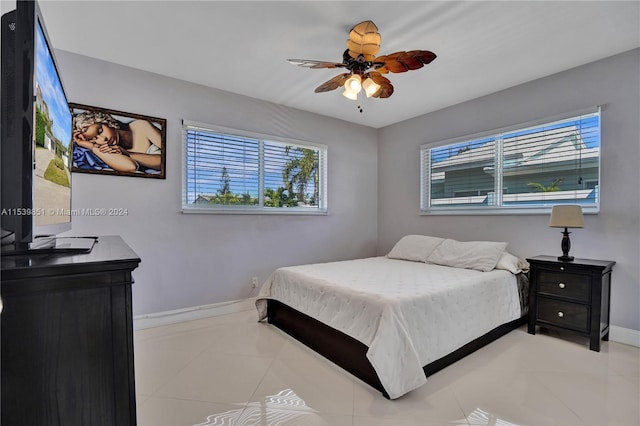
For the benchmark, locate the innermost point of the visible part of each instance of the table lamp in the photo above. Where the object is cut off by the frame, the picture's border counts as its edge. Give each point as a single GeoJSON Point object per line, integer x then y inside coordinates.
{"type": "Point", "coordinates": [566, 216]}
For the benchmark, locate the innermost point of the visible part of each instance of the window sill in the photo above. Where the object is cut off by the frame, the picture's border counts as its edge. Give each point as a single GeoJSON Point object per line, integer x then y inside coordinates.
{"type": "Point", "coordinates": [297, 211]}
{"type": "Point", "coordinates": [500, 211]}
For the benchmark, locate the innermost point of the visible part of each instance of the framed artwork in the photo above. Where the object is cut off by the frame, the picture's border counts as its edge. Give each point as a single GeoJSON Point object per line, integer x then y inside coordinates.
{"type": "Point", "coordinates": [117, 143]}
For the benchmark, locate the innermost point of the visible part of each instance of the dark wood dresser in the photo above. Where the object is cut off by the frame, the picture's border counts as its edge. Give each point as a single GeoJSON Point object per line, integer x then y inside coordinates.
{"type": "Point", "coordinates": [67, 337]}
{"type": "Point", "coordinates": [571, 295]}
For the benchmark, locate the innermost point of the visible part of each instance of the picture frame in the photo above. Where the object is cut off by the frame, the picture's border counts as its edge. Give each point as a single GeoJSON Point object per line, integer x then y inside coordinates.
{"type": "Point", "coordinates": [111, 142]}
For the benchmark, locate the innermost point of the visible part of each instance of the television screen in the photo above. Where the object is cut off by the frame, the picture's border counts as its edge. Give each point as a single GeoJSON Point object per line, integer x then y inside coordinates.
{"type": "Point", "coordinates": [35, 136]}
{"type": "Point", "coordinates": [52, 141]}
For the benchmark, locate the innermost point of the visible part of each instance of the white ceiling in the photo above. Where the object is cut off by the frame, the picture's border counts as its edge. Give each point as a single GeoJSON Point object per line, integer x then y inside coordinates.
{"type": "Point", "coordinates": [242, 46]}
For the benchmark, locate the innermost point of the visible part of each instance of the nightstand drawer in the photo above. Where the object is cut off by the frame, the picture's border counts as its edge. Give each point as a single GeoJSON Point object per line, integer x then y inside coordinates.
{"type": "Point", "coordinates": [562, 284]}
{"type": "Point", "coordinates": [568, 315]}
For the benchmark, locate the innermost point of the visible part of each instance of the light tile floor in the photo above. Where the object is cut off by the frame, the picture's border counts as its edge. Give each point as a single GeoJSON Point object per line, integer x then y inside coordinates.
{"type": "Point", "coordinates": [232, 370]}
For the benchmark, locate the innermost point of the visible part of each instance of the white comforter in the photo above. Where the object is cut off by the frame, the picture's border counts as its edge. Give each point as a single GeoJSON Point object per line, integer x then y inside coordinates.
{"type": "Point", "coordinates": [408, 313]}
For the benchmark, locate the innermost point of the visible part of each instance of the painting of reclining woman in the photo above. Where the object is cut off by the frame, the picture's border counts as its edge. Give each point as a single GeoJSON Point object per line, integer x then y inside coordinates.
{"type": "Point", "coordinates": [119, 143]}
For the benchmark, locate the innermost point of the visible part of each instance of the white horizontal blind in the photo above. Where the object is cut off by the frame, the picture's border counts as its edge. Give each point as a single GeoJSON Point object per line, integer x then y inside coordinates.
{"type": "Point", "coordinates": [558, 163]}
{"type": "Point", "coordinates": [530, 167]}
{"type": "Point", "coordinates": [457, 176]}
{"type": "Point", "coordinates": [221, 169]}
{"type": "Point", "coordinates": [292, 175]}
{"type": "Point", "coordinates": [236, 172]}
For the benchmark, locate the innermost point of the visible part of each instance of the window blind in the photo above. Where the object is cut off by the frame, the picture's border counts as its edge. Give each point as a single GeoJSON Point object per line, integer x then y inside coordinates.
{"type": "Point", "coordinates": [240, 171]}
{"type": "Point", "coordinates": [221, 169]}
{"type": "Point", "coordinates": [525, 168]}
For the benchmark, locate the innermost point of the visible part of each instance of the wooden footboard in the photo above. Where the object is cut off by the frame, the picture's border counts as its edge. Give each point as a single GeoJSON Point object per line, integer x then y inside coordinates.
{"type": "Point", "coordinates": [350, 354]}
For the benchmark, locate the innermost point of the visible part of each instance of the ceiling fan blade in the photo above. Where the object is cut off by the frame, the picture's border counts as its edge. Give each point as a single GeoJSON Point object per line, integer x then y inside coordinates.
{"type": "Point", "coordinates": [403, 61]}
{"type": "Point", "coordinates": [333, 84]}
{"type": "Point", "coordinates": [386, 89]}
{"type": "Point", "coordinates": [308, 63]}
{"type": "Point", "coordinates": [364, 39]}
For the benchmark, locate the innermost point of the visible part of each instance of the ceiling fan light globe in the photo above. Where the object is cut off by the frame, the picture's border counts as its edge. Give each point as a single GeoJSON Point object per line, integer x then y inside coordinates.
{"type": "Point", "coordinates": [353, 83]}
{"type": "Point", "coordinates": [349, 94]}
{"type": "Point", "coordinates": [370, 87]}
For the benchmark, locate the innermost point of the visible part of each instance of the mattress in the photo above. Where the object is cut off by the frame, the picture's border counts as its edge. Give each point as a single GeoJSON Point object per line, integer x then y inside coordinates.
{"type": "Point", "coordinates": [407, 313]}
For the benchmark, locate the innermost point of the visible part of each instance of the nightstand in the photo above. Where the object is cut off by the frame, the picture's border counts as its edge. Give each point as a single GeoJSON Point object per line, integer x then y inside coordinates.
{"type": "Point", "coordinates": [571, 295]}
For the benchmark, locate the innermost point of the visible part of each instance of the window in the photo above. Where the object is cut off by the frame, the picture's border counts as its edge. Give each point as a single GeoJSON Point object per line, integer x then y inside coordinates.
{"type": "Point", "coordinates": [527, 169]}
{"type": "Point", "coordinates": [230, 171]}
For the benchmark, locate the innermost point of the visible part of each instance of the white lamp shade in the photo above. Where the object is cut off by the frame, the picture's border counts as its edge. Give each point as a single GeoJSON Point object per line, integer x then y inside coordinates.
{"type": "Point", "coordinates": [353, 83]}
{"type": "Point", "coordinates": [370, 87]}
{"type": "Point", "coordinates": [350, 94]}
{"type": "Point", "coordinates": [566, 216]}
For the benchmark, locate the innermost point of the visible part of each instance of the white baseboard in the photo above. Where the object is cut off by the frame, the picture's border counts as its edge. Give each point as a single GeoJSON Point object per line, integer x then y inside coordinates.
{"type": "Point", "coordinates": [189, 314]}
{"type": "Point", "coordinates": [627, 336]}
{"type": "Point", "coordinates": [623, 335]}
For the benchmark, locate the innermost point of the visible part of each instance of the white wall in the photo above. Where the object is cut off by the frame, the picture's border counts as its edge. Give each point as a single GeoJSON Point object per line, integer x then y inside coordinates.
{"type": "Point", "coordinates": [614, 234]}
{"type": "Point", "coordinates": [191, 260]}
{"type": "Point", "coordinates": [194, 260]}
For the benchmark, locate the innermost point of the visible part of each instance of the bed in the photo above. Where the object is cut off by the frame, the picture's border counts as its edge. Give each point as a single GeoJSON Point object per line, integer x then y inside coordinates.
{"type": "Point", "coordinates": [393, 320]}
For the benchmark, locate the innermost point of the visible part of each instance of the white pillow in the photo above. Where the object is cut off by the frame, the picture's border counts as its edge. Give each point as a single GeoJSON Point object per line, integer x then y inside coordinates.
{"type": "Point", "coordinates": [509, 262]}
{"type": "Point", "coordinates": [415, 248]}
{"type": "Point", "coordinates": [478, 255]}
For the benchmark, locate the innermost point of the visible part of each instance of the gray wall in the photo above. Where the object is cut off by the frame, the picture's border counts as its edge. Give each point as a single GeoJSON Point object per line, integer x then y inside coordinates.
{"type": "Point", "coordinates": [613, 234]}
{"type": "Point", "coordinates": [198, 259]}
{"type": "Point", "coordinates": [191, 260]}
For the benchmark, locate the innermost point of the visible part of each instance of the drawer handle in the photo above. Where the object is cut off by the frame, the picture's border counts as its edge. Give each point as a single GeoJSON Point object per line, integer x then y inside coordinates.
{"type": "Point", "coordinates": [560, 314]}
{"type": "Point", "coordinates": [562, 285]}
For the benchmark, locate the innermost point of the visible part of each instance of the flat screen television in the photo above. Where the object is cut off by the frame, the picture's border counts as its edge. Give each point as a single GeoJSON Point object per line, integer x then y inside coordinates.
{"type": "Point", "coordinates": [35, 145]}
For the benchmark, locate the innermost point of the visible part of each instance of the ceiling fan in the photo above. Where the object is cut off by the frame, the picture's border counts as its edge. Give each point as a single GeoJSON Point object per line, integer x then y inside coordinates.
{"type": "Point", "coordinates": [365, 69]}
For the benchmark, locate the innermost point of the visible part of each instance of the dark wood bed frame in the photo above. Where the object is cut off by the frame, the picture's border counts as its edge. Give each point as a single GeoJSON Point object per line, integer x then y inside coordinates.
{"type": "Point", "coordinates": [350, 354]}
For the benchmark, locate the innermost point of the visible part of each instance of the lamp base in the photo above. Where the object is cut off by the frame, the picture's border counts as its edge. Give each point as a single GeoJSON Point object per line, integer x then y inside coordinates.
{"type": "Point", "coordinates": [566, 246]}
{"type": "Point", "coordinates": [565, 258]}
